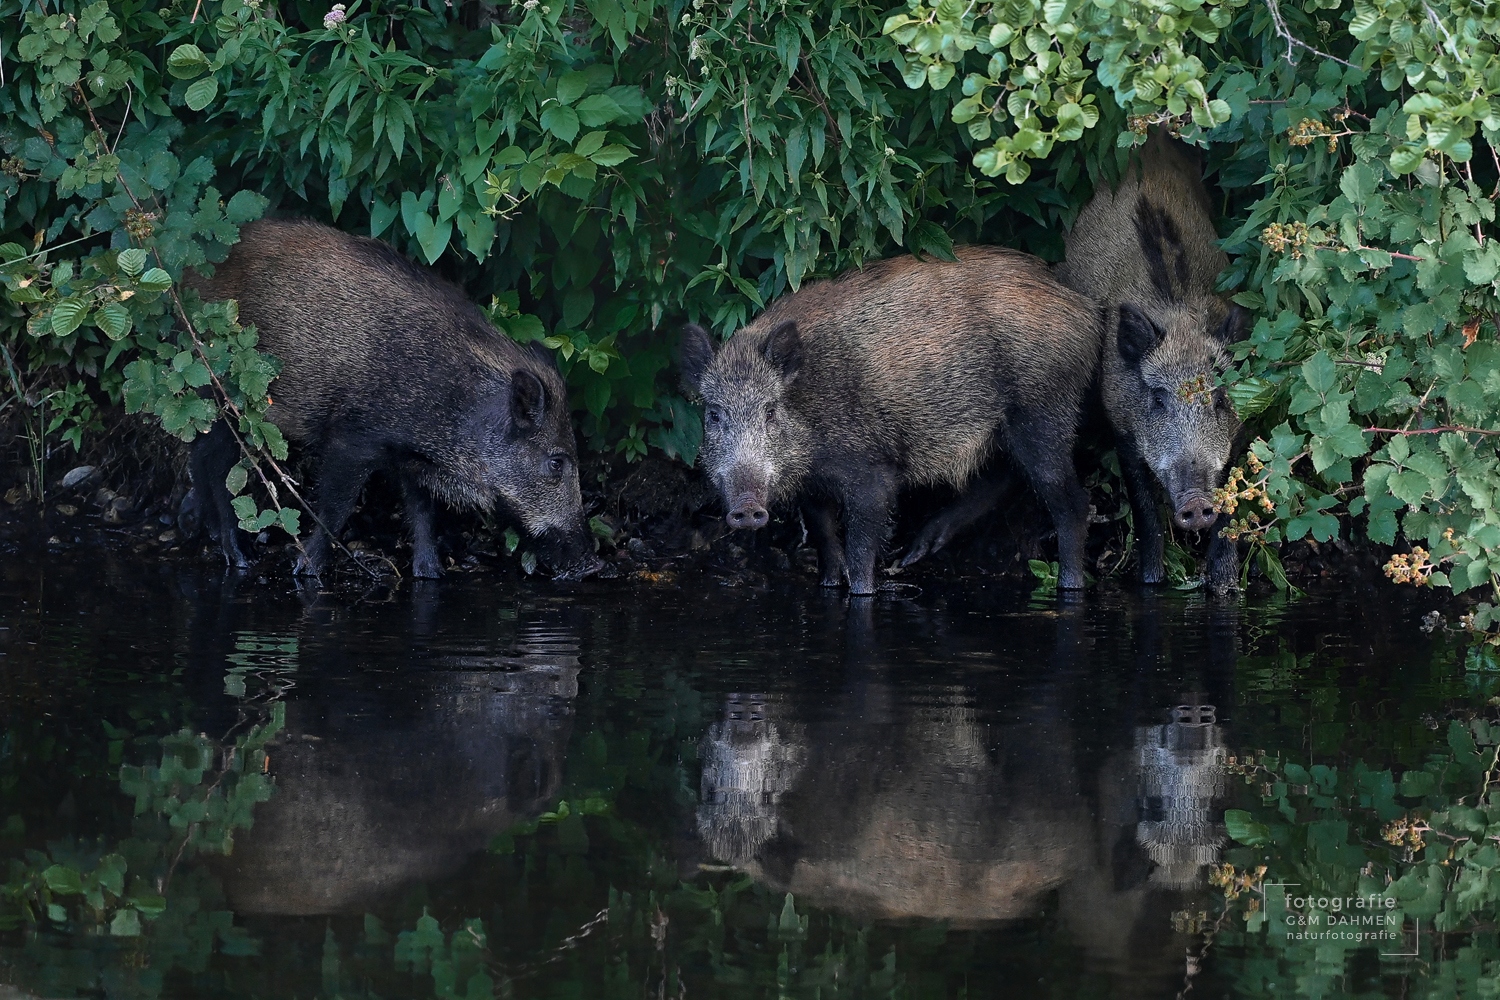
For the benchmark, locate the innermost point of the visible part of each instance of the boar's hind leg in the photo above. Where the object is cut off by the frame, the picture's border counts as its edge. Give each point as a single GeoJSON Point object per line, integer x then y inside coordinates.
{"type": "Point", "coordinates": [867, 523]}
{"type": "Point", "coordinates": [981, 497]}
{"type": "Point", "coordinates": [1148, 533]}
{"type": "Point", "coordinates": [425, 564]}
{"type": "Point", "coordinates": [822, 520]}
{"type": "Point", "coordinates": [346, 465]}
{"type": "Point", "coordinates": [213, 455]}
{"type": "Point", "coordinates": [1043, 446]}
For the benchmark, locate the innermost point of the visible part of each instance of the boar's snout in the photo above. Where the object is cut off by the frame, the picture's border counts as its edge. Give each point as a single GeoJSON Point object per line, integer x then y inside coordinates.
{"type": "Point", "coordinates": [748, 512]}
{"type": "Point", "coordinates": [587, 566]}
{"type": "Point", "coordinates": [1195, 513]}
{"type": "Point", "coordinates": [570, 552]}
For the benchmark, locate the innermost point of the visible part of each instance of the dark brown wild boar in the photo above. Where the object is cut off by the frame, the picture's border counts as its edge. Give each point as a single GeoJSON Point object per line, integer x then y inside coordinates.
{"type": "Point", "coordinates": [902, 373]}
{"type": "Point", "coordinates": [1148, 252]}
{"type": "Point", "coordinates": [387, 367]}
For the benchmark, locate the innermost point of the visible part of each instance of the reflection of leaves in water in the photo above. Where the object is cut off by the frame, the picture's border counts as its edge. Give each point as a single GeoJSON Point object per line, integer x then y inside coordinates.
{"type": "Point", "coordinates": [190, 803]}
{"type": "Point", "coordinates": [262, 662]}
{"type": "Point", "coordinates": [1410, 810]}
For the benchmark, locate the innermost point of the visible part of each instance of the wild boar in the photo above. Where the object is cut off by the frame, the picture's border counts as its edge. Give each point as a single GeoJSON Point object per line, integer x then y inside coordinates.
{"type": "Point", "coordinates": [902, 373]}
{"type": "Point", "coordinates": [1148, 252]}
{"type": "Point", "coordinates": [387, 367]}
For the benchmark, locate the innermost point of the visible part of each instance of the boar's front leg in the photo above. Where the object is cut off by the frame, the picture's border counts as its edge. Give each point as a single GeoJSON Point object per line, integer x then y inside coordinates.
{"type": "Point", "coordinates": [1044, 448]}
{"type": "Point", "coordinates": [212, 456]}
{"type": "Point", "coordinates": [420, 511]}
{"type": "Point", "coordinates": [822, 520]}
{"type": "Point", "coordinates": [346, 466]}
{"type": "Point", "coordinates": [867, 524]}
{"type": "Point", "coordinates": [1148, 534]}
{"type": "Point", "coordinates": [1223, 572]}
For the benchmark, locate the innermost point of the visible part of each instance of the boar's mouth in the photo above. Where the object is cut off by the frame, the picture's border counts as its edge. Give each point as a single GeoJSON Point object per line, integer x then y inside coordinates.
{"type": "Point", "coordinates": [588, 566]}
{"type": "Point", "coordinates": [569, 553]}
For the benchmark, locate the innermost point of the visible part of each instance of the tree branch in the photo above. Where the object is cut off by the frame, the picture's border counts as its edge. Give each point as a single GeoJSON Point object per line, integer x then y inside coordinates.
{"type": "Point", "coordinates": [1293, 42]}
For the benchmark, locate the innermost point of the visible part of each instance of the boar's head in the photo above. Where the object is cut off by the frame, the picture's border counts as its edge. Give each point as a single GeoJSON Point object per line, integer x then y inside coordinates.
{"type": "Point", "coordinates": [751, 436]}
{"type": "Point", "coordinates": [525, 458]}
{"type": "Point", "coordinates": [1163, 396]}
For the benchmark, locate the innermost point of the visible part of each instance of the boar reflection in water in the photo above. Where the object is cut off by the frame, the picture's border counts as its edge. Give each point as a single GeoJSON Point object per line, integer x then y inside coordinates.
{"type": "Point", "coordinates": [926, 813]}
{"type": "Point", "coordinates": [359, 811]}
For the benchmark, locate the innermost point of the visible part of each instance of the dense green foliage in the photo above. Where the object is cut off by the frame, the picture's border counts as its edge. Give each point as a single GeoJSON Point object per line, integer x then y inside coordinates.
{"type": "Point", "coordinates": [601, 171]}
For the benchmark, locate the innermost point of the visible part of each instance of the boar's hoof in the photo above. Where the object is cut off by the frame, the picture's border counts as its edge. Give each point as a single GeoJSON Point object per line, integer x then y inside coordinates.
{"type": "Point", "coordinates": [307, 566]}
{"type": "Point", "coordinates": [1222, 582]}
{"type": "Point", "coordinates": [748, 514]}
{"type": "Point", "coordinates": [1071, 579]}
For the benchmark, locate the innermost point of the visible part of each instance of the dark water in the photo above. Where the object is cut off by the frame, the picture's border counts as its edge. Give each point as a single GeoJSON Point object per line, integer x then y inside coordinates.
{"type": "Point", "coordinates": [620, 790]}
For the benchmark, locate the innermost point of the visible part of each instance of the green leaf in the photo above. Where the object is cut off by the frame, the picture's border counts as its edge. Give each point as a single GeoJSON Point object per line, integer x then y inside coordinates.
{"type": "Point", "coordinates": [561, 121]}
{"type": "Point", "coordinates": [236, 480]}
{"type": "Point", "coordinates": [1320, 372]}
{"type": "Point", "coordinates": [200, 94]}
{"type": "Point", "coordinates": [127, 923]}
{"type": "Point", "coordinates": [132, 261]}
{"type": "Point", "coordinates": [155, 280]}
{"type": "Point", "coordinates": [572, 86]}
{"type": "Point", "coordinates": [114, 319]}
{"type": "Point", "coordinates": [63, 880]}
{"type": "Point", "coordinates": [611, 155]}
{"type": "Point", "coordinates": [187, 61]}
{"type": "Point", "coordinates": [149, 904]}
{"type": "Point", "coordinates": [600, 109]}
{"type": "Point", "coordinates": [1242, 827]}
{"type": "Point", "coordinates": [68, 315]}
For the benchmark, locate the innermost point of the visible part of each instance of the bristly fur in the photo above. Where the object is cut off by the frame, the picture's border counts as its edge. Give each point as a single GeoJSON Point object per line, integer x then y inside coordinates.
{"type": "Point", "coordinates": [384, 365]}
{"type": "Point", "coordinates": [910, 372]}
{"type": "Point", "coordinates": [1149, 253]}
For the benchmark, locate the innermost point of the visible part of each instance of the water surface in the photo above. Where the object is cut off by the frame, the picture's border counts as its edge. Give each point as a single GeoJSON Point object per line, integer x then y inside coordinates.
{"type": "Point", "coordinates": [464, 789]}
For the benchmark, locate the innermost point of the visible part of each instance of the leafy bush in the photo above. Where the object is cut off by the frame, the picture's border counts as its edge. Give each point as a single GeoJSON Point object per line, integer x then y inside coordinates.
{"type": "Point", "coordinates": [601, 171]}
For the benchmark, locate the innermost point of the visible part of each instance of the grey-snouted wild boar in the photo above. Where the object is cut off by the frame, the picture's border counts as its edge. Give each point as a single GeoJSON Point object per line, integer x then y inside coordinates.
{"type": "Point", "coordinates": [386, 367]}
{"type": "Point", "coordinates": [902, 373]}
{"type": "Point", "coordinates": [1147, 250]}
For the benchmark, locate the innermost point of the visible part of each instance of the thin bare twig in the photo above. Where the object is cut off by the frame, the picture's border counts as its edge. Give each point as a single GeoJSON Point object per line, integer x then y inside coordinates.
{"type": "Point", "coordinates": [1293, 42]}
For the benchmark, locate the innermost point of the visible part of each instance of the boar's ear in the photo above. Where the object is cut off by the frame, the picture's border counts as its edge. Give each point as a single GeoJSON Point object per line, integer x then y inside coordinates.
{"type": "Point", "coordinates": [783, 349]}
{"type": "Point", "coordinates": [1235, 328]}
{"type": "Point", "coordinates": [1138, 334]}
{"type": "Point", "coordinates": [528, 399]}
{"type": "Point", "coordinates": [695, 353]}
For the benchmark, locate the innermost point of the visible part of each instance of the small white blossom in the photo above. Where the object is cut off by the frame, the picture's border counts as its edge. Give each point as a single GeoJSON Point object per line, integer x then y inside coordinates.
{"type": "Point", "coordinates": [334, 17]}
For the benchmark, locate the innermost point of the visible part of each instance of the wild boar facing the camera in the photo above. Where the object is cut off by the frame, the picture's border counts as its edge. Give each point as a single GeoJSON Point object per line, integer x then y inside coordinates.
{"type": "Point", "coordinates": [387, 367]}
{"type": "Point", "coordinates": [1148, 251]}
{"type": "Point", "coordinates": [899, 374]}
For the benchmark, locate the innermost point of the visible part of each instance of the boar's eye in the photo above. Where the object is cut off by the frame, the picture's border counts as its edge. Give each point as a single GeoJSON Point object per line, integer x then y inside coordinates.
{"type": "Point", "coordinates": [713, 414]}
{"type": "Point", "coordinates": [556, 464]}
{"type": "Point", "coordinates": [1158, 399]}
{"type": "Point", "coordinates": [770, 411]}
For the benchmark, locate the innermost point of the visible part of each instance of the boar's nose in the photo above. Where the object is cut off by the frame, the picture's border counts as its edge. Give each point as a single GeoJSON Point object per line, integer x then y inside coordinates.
{"type": "Point", "coordinates": [1196, 514]}
{"type": "Point", "coordinates": [748, 514]}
